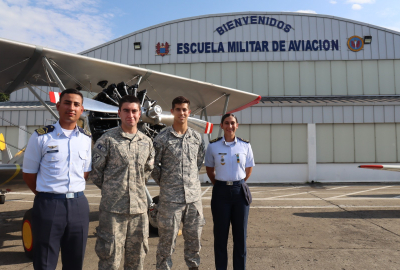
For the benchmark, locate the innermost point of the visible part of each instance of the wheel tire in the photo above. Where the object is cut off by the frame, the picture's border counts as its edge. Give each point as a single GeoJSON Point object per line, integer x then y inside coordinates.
{"type": "Point", "coordinates": [2, 199]}
{"type": "Point", "coordinates": [152, 228]}
{"type": "Point", "coordinates": [27, 235]}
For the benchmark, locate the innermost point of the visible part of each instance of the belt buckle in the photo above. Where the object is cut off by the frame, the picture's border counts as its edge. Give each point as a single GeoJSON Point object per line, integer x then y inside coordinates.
{"type": "Point", "coordinates": [229, 183]}
{"type": "Point", "coordinates": [70, 195]}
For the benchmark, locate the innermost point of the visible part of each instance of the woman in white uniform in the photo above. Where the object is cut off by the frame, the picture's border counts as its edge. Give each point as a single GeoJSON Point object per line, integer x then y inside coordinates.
{"type": "Point", "coordinates": [229, 162]}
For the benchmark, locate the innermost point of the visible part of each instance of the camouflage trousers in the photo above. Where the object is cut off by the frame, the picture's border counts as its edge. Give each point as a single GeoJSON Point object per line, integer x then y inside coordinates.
{"type": "Point", "coordinates": [170, 216]}
{"type": "Point", "coordinates": [118, 231]}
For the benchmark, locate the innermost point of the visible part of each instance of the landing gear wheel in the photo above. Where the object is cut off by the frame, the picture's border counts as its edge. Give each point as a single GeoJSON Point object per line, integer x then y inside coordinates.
{"type": "Point", "coordinates": [2, 199]}
{"type": "Point", "coordinates": [27, 236]}
{"type": "Point", "coordinates": [153, 216]}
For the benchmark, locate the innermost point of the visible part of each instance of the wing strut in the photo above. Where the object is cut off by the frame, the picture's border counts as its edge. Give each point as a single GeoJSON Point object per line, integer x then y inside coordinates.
{"type": "Point", "coordinates": [224, 112]}
{"type": "Point", "coordinates": [27, 84]}
{"type": "Point", "coordinates": [53, 73]}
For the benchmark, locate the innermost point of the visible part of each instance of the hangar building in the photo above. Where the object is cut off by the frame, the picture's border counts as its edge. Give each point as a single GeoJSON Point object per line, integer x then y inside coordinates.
{"type": "Point", "coordinates": [330, 88]}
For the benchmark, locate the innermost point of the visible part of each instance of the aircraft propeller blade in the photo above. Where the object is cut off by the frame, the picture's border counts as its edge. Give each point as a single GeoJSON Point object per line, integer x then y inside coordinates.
{"type": "Point", "coordinates": [197, 124]}
{"type": "Point", "coordinates": [97, 106]}
{"type": "Point", "coordinates": [88, 103]}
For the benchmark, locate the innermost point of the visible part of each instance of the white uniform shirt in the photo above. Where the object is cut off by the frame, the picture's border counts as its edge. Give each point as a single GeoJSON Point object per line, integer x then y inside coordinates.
{"type": "Point", "coordinates": [58, 160]}
{"type": "Point", "coordinates": [229, 160]}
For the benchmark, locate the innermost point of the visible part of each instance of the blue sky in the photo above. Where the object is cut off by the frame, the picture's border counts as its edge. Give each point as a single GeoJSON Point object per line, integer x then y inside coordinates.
{"type": "Point", "coordinates": [77, 25]}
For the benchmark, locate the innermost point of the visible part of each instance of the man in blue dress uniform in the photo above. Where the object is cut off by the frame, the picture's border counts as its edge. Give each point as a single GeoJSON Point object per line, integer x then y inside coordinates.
{"type": "Point", "coordinates": [56, 163]}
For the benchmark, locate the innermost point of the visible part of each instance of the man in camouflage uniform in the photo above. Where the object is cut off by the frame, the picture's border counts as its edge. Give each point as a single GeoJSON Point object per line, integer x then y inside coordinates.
{"type": "Point", "coordinates": [179, 156]}
{"type": "Point", "coordinates": [122, 162]}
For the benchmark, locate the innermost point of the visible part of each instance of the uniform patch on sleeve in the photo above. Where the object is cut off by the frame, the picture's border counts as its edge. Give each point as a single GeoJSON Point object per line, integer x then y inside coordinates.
{"type": "Point", "coordinates": [96, 157]}
{"type": "Point", "coordinates": [101, 147]}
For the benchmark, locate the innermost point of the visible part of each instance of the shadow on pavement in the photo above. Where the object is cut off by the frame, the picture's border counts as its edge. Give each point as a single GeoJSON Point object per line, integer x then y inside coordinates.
{"type": "Point", "coordinates": [10, 230]}
{"type": "Point", "coordinates": [10, 227]}
{"type": "Point", "coordinates": [378, 214]}
{"type": "Point", "coordinates": [375, 196]}
{"type": "Point", "coordinates": [13, 257]}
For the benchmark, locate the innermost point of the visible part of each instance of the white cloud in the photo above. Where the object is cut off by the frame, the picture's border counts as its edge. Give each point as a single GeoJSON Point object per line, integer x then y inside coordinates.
{"type": "Point", "coordinates": [356, 7]}
{"type": "Point", "coordinates": [333, 2]}
{"type": "Point", "coordinates": [307, 11]}
{"type": "Point", "coordinates": [71, 26]}
{"type": "Point", "coordinates": [361, 1]}
{"type": "Point", "coordinates": [72, 5]}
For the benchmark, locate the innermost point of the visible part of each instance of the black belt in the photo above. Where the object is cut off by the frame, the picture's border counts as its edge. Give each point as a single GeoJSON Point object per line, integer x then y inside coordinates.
{"type": "Point", "coordinates": [69, 195]}
{"type": "Point", "coordinates": [229, 183]}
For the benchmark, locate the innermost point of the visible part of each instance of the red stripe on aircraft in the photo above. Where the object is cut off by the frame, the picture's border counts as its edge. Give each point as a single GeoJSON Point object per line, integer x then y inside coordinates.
{"type": "Point", "coordinates": [371, 166]}
{"type": "Point", "coordinates": [54, 97]}
{"type": "Point", "coordinates": [209, 128]}
{"type": "Point", "coordinates": [254, 102]}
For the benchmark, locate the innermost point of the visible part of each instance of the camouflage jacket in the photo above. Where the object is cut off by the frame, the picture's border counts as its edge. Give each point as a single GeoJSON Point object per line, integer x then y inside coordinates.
{"type": "Point", "coordinates": [178, 161]}
{"type": "Point", "coordinates": [121, 168]}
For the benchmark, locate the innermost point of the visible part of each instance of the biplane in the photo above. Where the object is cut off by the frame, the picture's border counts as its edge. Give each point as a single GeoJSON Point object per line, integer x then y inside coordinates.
{"type": "Point", "coordinates": [30, 66]}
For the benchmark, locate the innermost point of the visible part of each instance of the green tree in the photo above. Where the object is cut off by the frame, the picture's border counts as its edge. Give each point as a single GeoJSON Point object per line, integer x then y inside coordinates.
{"type": "Point", "coordinates": [4, 97]}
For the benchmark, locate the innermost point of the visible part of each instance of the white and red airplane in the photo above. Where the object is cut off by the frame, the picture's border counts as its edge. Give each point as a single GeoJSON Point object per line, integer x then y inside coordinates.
{"type": "Point", "coordinates": [30, 66]}
{"type": "Point", "coordinates": [393, 168]}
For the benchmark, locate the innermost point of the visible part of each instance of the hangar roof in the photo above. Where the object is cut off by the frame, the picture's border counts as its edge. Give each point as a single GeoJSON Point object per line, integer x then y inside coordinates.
{"type": "Point", "coordinates": [239, 14]}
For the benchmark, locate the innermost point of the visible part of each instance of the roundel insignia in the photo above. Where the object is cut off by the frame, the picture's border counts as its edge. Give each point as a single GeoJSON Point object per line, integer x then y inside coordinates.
{"type": "Point", "coordinates": [355, 43]}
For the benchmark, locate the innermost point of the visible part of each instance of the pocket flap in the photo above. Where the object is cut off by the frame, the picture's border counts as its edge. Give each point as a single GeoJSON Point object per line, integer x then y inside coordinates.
{"type": "Point", "coordinates": [105, 244]}
{"type": "Point", "coordinates": [51, 158]}
{"type": "Point", "coordinates": [83, 154]}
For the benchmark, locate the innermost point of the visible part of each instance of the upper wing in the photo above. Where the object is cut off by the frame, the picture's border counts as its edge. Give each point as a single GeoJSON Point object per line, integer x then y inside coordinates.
{"type": "Point", "coordinates": [394, 168]}
{"type": "Point", "coordinates": [22, 62]}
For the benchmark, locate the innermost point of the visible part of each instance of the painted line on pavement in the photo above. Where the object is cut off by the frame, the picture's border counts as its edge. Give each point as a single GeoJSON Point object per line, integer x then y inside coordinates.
{"type": "Point", "coordinates": [357, 192]}
{"type": "Point", "coordinates": [205, 191]}
{"type": "Point", "coordinates": [289, 195]}
{"type": "Point", "coordinates": [284, 189]}
{"type": "Point", "coordinates": [336, 188]}
{"type": "Point", "coordinates": [276, 207]}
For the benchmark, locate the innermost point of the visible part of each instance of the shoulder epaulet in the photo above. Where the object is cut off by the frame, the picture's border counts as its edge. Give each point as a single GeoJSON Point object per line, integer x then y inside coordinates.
{"type": "Point", "coordinates": [44, 130]}
{"type": "Point", "coordinates": [216, 140]}
{"type": "Point", "coordinates": [84, 131]}
{"type": "Point", "coordinates": [243, 140]}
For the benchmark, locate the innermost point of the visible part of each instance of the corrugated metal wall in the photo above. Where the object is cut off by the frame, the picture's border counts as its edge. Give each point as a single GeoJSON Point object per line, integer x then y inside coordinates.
{"type": "Point", "coordinates": [353, 143]}
{"type": "Point", "coordinates": [372, 77]}
{"type": "Point", "coordinates": [12, 135]}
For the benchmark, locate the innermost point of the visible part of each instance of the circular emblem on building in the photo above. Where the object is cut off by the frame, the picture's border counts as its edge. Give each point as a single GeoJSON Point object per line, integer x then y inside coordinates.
{"type": "Point", "coordinates": [355, 43]}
